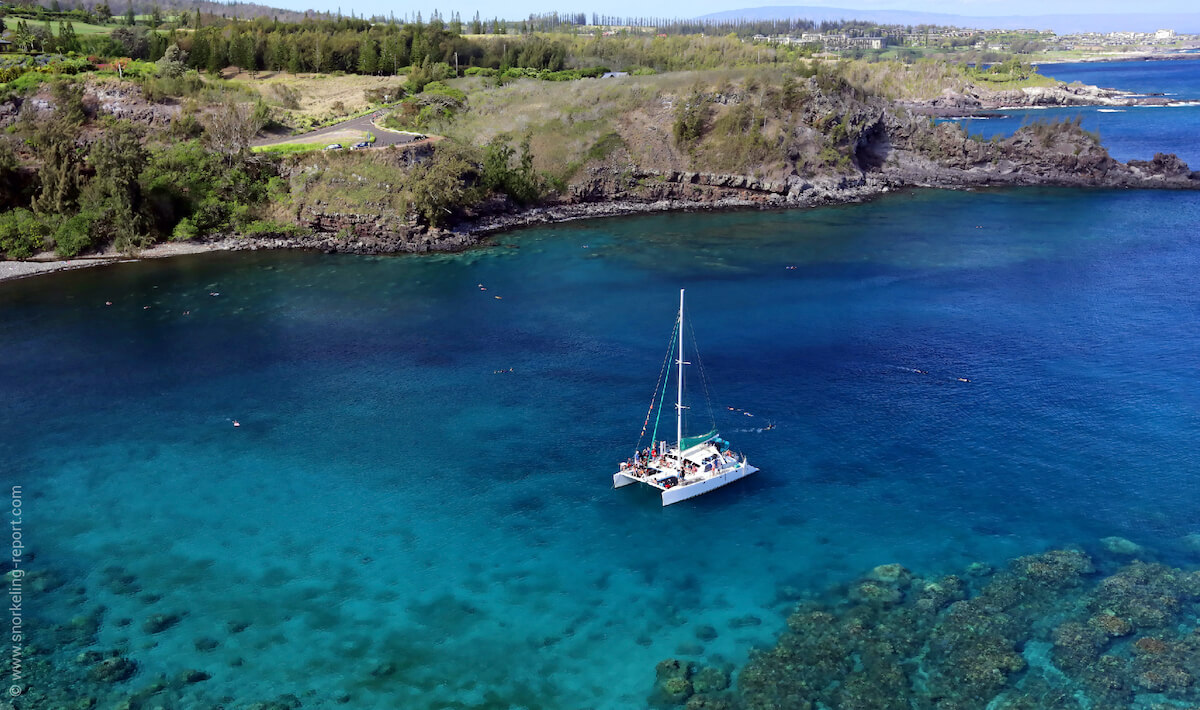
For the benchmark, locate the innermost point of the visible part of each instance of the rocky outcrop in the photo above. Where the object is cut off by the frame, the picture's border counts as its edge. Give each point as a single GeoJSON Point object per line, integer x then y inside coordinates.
{"type": "Point", "coordinates": [974, 100]}
{"type": "Point", "coordinates": [124, 101]}
{"type": "Point", "coordinates": [375, 241]}
{"type": "Point", "coordinates": [119, 100]}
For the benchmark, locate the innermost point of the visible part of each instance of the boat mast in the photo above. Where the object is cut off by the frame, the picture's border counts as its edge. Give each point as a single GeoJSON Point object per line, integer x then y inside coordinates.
{"type": "Point", "coordinates": [679, 394]}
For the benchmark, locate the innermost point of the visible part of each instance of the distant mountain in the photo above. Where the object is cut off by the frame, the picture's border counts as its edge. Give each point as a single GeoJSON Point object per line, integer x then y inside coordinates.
{"type": "Point", "coordinates": [1061, 24]}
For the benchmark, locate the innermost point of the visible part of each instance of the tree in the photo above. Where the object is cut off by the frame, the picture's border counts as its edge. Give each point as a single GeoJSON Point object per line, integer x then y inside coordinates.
{"type": "Point", "coordinates": [173, 63]}
{"type": "Point", "coordinates": [23, 37]}
{"type": "Point", "coordinates": [68, 101]}
{"type": "Point", "coordinates": [218, 56]}
{"type": "Point", "coordinates": [368, 56]}
{"type": "Point", "coordinates": [67, 40]}
{"type": "Point", "coordinates": [133, 40]}
{"type": "Point", "coordinates": [241, 51]}
{"type": "Point", "coordinates": [155, 16]}
{"type": "Point", "coordinates": [54, 141]}
{"type": "Point", "coordinates": [130, 18]}
{"type": "Point", "coordinates": [111, 203]}
{"type": "Point", "coordinates": [520, 183]}
{"type": "Point", "coordinates": [119, 159]}
{"type": "Point", "coordinates": [103, 12]}
{"type": "Point", "coordinates": [439, 186]}
{"type": "Point", "coordinates": [230, 128]}
{"type": "Point", "coordinates": [295, 62]}
{"type": "Point", "coordinates": [200, 49]}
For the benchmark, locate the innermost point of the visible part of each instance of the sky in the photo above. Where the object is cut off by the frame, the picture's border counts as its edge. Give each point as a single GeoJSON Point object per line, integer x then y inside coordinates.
{"type": "Point", "coordinates": [516, 9]}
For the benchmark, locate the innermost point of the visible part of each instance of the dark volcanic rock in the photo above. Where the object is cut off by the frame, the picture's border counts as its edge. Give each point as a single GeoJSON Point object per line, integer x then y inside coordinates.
{"type": "Point", "coordinates": [1166, 165]}
{"type": "Point", "coordinates": [160, 622]}
{"type": "Point", "coordinates": [113, 670]}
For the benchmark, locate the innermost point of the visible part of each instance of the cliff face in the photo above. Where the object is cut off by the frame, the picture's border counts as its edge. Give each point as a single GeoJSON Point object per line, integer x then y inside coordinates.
{"type": "Point", "coordinates": [834, 145]}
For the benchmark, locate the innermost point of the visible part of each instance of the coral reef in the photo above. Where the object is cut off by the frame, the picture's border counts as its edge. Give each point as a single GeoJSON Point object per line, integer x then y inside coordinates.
{"type": "Point", "coordinates": [1047, 631]}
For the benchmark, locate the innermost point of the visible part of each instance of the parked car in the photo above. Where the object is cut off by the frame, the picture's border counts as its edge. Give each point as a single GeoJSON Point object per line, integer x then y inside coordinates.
{"type": "Point", "coordinates": [360, 145]}
{"type": "Point", "coordinates": [334, 146]}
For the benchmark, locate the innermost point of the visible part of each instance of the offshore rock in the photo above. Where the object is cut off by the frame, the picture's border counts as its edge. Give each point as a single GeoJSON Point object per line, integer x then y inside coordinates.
{"type": "Point", "coordinates": [673, 686]}
{"type": "Point", "coordinates": [878, 593]}
{"type": "Point", "coordinates": [1164, 165]}
{"type": "Point", "coordinates": [1121, 546]}
{"type": "Point", "coordinates": [710, 680]}
{"type": "Point", "coordinates": [160, 622]}
{"type": "Point", "coordinates": [194, 676]}
{"type": "Point", "coordinates": [894, 574]}
{"type": "Point", "coordinates": [112, 670]}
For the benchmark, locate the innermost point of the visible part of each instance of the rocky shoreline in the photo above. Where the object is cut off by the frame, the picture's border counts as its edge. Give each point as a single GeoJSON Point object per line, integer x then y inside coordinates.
{"type": "Point", "coordinates": [648, 192]}
{"type": "Point", "coordinates": [892, 147]}
{"type": "Point", "coordinates": [969, 103]}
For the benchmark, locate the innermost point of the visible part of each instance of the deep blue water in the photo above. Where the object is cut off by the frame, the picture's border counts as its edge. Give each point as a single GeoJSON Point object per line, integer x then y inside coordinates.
{"type": "Point", "coordinates": [1127, 132]}
{"type": "Point", "coordinates": [391, 499]}
{"type": "Point", "coordinates": [1177, 78]}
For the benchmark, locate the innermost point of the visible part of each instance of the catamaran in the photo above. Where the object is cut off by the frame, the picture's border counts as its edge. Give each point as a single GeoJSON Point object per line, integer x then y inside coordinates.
{"type": "Point", "coordinates": [690, 465]}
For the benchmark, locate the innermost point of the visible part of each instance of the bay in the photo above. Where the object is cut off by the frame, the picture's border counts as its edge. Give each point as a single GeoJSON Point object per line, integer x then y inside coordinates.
{"type": "Point", "coordinates": [402, 521]}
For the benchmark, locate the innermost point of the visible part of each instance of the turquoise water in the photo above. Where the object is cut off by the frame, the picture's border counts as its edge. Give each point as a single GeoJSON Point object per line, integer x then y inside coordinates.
{"type": "Point", "coordinates": [396, 524]}
{"type": "Point", "coordinates": [1134, 132]}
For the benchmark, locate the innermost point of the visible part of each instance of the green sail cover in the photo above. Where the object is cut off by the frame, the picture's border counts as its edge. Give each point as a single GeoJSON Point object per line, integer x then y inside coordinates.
{"type": "Point", "coordinates": [690, 441]}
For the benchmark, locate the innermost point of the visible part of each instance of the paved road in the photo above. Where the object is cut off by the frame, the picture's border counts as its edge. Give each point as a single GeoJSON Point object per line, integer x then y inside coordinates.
{"type": "Point", "coordinates": [383, 137]}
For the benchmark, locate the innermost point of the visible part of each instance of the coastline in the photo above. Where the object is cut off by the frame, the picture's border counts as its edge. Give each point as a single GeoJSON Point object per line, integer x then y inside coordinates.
{"type": "Point", "coordinates": [463, 236]}
{"type": "Point", "coordinates": [1121, 57]}
{"type": "Point", "coordinates": [46, 263]}
{"type": "Point", "coordinates": [622, 190]}
{"type": "Point", "coordinates": [471, 233]}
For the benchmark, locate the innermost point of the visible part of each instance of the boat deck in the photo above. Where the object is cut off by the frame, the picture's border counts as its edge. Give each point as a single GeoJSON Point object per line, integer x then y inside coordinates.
{"type": "Point", "coordinates": [704, 468]}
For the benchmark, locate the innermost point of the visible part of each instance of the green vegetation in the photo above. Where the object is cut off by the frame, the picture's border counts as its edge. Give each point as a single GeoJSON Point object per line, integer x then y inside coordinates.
{"type": "Point", "coordinates": [524, 116]}
{"type": "Point", "coordinates": [126, 187]}
{"type": "Point", "coordinates": [288, 148]}
{"type": "Point", "coordinates": [899, 81]}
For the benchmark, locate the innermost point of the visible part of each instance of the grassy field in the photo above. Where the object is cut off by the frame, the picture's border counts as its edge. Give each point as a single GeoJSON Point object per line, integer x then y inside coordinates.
{"type": "Point", "coordinates": [564, 119]}
{"type": "Point", "coordinates": [571, 124]}
{"type": "Point", "coordinates": [83, 28]}
{"type": "Point", "coordinates": [315, 96]}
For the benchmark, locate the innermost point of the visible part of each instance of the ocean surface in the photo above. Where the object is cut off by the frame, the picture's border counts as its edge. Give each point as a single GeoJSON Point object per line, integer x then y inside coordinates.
{"type": "Point", "coordinates": [416, 510]}
{"type": "Point", "coordinates": [1133, 132]}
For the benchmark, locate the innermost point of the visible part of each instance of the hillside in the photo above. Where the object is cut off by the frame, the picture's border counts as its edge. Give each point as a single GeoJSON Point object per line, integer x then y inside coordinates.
{"type": "Point", "coordinates": [122, 158]}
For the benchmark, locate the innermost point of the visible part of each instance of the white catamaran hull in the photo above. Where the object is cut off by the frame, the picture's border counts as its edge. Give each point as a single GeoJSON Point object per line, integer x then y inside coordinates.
{"type": "Point", "coordinates": [678, 493]}
{"type": "Point", "coordinates": [690, 490]}
{"type": "Point", "coordinates": [620, 479]}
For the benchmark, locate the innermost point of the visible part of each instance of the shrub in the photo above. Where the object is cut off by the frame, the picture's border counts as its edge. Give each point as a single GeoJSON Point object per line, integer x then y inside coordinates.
{"type": "Point", "coordinates": [520, 183]}
{"type": "Point", "coordinates": [185, 231]}
{"type": "Point", "coordinates": [22, 234]}
{"type": "Point", "coordinates": [690, 117]}
{"type": "Point", "coordinates": [75, 235]}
